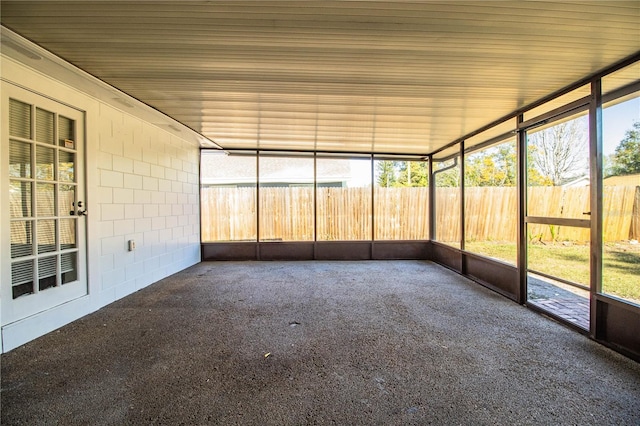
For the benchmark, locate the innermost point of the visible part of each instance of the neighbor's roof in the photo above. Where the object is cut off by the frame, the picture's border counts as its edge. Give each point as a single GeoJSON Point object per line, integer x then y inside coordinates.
{"type": "Point", "coordinates": [218, 170]}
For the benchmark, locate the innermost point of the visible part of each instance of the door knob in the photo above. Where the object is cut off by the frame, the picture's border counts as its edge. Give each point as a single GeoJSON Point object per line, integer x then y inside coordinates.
{"type": "Point", "coordinates": [79, 212]}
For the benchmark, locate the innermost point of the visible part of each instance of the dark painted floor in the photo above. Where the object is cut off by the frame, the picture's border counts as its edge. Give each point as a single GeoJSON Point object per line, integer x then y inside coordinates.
{"type": "Point", "coordinates": [289, 343]}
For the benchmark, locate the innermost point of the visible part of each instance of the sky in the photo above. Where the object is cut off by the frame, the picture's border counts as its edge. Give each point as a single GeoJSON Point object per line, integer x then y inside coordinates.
{"type": "Point", "coordinates": [616, 121]}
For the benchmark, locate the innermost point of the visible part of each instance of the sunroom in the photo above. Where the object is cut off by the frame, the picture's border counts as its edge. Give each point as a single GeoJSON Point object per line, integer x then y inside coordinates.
{"type": "Point", "coordinates": [499, 140]}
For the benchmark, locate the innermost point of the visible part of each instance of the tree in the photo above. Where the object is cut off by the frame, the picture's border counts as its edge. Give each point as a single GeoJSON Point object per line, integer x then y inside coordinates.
{"type": "Point", "coordinates": [492, 167]}
{"type": "Point", "coordinates": [413, 173]}
{"type": "Point", "coordinates": [386, 173]}
{"type": "Point", "coordinates": [626, 159]}
{"type": "Point", "coordinates": [448, 173]}
{"type": "Point", "coordinates": [559, 154]}
{"type": "Point", "coordinates": [609, 165]}
{"type": "Point", "coordinates": [402, 173]}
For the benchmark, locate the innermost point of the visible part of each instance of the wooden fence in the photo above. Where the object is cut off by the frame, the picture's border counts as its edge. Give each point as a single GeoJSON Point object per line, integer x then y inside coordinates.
{"type": "Point", "coordinates": [286, 214]}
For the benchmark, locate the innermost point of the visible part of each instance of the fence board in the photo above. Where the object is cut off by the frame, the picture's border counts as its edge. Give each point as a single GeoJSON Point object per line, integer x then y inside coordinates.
{"type": "Point", "coordinates": [401, 213]}
{"type": "Point", "coordinates": [229, 214]}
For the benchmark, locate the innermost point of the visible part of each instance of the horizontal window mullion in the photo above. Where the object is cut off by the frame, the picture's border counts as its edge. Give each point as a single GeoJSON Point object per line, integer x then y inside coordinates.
{"type": "Point", "coordinates": [561, 221]}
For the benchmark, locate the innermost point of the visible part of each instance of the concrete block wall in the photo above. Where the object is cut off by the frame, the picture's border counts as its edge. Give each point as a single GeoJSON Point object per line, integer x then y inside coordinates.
{"type": "Point", "coordinates": [147, 192]}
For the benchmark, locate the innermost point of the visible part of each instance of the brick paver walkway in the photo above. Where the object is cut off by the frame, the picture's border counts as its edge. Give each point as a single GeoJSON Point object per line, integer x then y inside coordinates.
{"type": "Point", "coordinates": [555, 300]}
{"type": "Point", "coordinates": [574, 310]}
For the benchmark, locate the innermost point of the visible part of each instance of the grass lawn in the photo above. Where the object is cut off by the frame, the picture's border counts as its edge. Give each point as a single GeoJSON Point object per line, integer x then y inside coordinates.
{"type": "Point", "coordinates": [621, 264]}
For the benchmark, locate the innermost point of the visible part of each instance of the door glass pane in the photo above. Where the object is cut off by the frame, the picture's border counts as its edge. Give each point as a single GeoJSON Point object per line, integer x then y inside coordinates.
{"type": "Point", "coordinates": [66, 132]}
{"type": "Point", "coordinates": [21, 238]}
{"type": "Point", "coordinates": [69, 267]}
{"type": "Point", "coordinates": [19, 119]}
{"type": "Point", "coordinates": [67, 234]}
{"type": "Point", "coordinates": [19, 159]}
{"type": "Point", "coordinates": [46, 236]}
{"type": "Point", "coordinates": [66, 199]}
{"type": "Point", "coordinates": [20, 198]}
{"type": "Point", "coordinates": [66, 166]}
{"type": "Point", "coordinates": [44, 163]}
{"type": "Point", "coordinates": [47, 270]}
{"type": "Point", "coordinates": [401, 200]}
{"type": "Point", "coordinates": [558, 170]}
{"type": "Point", "coordinates": [343, 199]}
{"type": "Point", "coordinates": [621, 195]}
{"type": "Point", "coordinates": [45, 200]}
{"type": "Point", "coordinates": [286, 198]}
{"type": "Point", "coordinates": [22, 278]}
{"type": "Point", "coordinates": [44, 126]}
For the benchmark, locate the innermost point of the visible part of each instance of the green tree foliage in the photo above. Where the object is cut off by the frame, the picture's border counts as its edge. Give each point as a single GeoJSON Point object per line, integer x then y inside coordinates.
{"type": "Point", "coordinates": [492, 167]}
{"type": "Point", "coordinates": [608, 165]}
{"type": "Point", "coordinates": [393, 174]}
{"type": "Point", "coordinates": [626, 159]}
{"type": "Point", "coordinates": [386, 173]}
{"type": "Point", "coordinates": [448, 174]}
{"type": "Point", "coordinates": [413, 173]}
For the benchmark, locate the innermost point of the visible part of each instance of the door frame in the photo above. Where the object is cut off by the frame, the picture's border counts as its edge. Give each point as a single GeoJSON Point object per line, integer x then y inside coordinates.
{"type": "Point", "coordinates": [524, 219]}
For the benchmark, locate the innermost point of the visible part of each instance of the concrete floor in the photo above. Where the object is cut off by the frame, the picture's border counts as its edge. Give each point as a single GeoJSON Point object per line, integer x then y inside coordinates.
{"type": "Point", "coordinates": [290, 343]}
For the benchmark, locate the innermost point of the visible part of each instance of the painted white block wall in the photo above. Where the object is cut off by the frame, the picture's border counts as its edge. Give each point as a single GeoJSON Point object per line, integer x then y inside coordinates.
{"type": "Point", "coordinates": [142, 185]}
{"type": "Point", "coordinates": [148, 192]}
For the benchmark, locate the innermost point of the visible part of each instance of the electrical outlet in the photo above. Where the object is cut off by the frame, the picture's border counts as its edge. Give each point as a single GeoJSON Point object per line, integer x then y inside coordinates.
{"type": "Point", "coordinates": [132, 245]}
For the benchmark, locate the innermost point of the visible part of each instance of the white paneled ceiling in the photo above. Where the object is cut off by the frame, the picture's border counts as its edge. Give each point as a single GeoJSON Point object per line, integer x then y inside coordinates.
{"type": "Point", "coordinates": [384, 76]}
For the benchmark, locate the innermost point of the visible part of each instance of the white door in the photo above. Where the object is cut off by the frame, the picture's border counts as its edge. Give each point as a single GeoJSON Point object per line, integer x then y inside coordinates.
{"type": "Point", "coordinates": [43, 217]}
